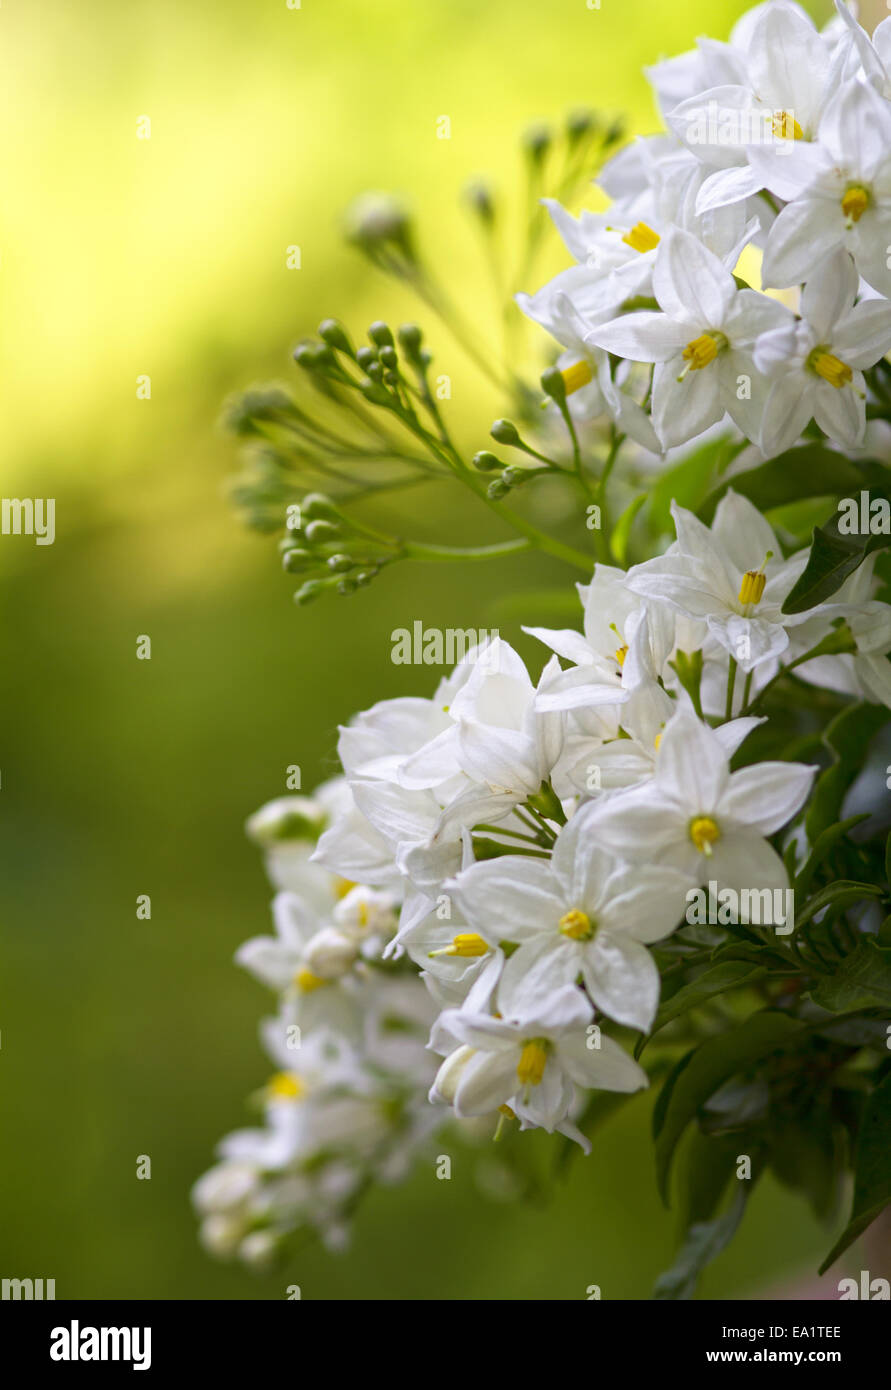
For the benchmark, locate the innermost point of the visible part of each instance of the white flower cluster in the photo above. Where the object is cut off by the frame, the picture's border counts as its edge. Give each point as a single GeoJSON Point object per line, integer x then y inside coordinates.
{"type": "Point", "coordinates": [486, 879]}
{"type": "Point", "coordinates": [497, 860]}
{"type": "Point", "coordinates": [778, 145]}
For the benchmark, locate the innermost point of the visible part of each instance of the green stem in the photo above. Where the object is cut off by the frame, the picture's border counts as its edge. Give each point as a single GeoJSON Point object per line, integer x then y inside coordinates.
{"type": "Point", "coordinates": [731, 682]}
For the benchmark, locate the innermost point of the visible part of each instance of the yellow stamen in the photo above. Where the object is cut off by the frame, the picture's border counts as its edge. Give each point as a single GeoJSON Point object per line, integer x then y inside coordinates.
{"type": "Point", "coordinates": [752, 586]}
{"type": "Point", "coordinates": [855, 202]}
{"type": "Point", "coordinates": [656, 741]}
{"type": "Point", "coordinates": [830, 368]}
{"type": "Point", "coordinates": [702, 350]}
{"type": "Point", "coordinates": [577, 375]}
{"type": "Point", "coordinates": [577, 925]}
{"type": "Point", "coordinates": [641, 238]}
{"type": "Point", "coordinates": [363, 915]}
{"type": "Point", "coordinates": [785, 126]}
{"type": "Point", "coordinates": [507, 1112]}
{"type": "Point", "coordinates": [531, 1066]}
{"type": "Point", "coordinates": [342, 886]}
{"type": "Point", "coordinates": [704, 832]}
{"type": "Point", "coordinates": [621, 653]}
{"type": "Point", "coordinates": [306, 981]}
{"type": "Point", "coordinates": [284, 1086]}
{"type": "Point", "coordinates": [464, 944]}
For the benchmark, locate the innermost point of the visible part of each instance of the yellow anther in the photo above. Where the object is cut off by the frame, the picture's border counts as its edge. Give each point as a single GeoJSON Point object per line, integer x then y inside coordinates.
{"type": "Point", "coordinates": [752, 586]}
{"type": "Point", "coordinates": [830, 368]}
{"type": "Point", "coordinates": [703, 350]}
{"type": "Point", "coordinates": [577, 375]}
{"type": "Point", "coordinates": [506, 1111]}
{"type": "Point", "coordinates": [576, 925]}
{"type": "Point", "coordinates": [704, 832]}
{"type": "Point", "coordinates": [641, 237]}
{"type": "Point", "coordinates": [855, 201]}
{"type": "Point", "coordinates": [284, 1086]}
{"type": "Point", "coordinates": [530, 1068]}
{"type": "Point", "coordinates": [621, 653]}
{"type": "Point", "coordinates": [656, 741]}
{"type": "Point", "coordinates": [464, 944]}
{"type": "Point", "coordinates": [785, 127]}
{"type": "Point", "coordinates": [342, 886]}
{"type": "Point", "coordinates": [306, 981]}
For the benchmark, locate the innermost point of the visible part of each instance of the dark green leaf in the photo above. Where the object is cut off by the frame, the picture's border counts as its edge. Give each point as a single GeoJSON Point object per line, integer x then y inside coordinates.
{"type": "Point", "coordinates": [704, 1243]}
{"type": "Point", "coordinates": [872, 1170]}
{"type": "Point", "coordinates": [811, 470]}
{"type": "Point", "coordinates": [824, 843]}
{"type": "Point", "coordinates": [835, 555]}
{"type": "Point", "coordinates": [717, 979]}
{"type": "Point", "coordinates": [862, 981]}
{"type": "Point", "coordinates": [843, 893]}
{"type": "Point", "coordinates": [848, 736]}
{"type": "Point", "coordinates": [706, 1068]}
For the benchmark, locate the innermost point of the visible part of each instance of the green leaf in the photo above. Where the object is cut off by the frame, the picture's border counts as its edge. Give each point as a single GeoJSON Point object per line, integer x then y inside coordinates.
{"type": "Point", "coordinates": [862, 981]}
{"type": "Point", "coordinates": [872, 1170]}
{"type": "Point", "coordinates": [834, 556]}
{"type": "Point", "coordinates": [704, 1242]}
{"type": "Point", "coordinates": [622, 530]}
{"type": "Point", "coordinates": [803, 1155]}
{"type": "Point", "coordinates": [848, 736]}
{"type": "Point", "coordinates": [811, 470]}
{"type": "Point", "coordinates": [688, 482]}
{"type": "Point", "coordinates": [824, 843]}
{"type": "Point", "coordinates": [843, 893]}
{"type": "Point", "coordinates": [731, 974]}
{"type": "Point", "coordinates": [706, 1068]}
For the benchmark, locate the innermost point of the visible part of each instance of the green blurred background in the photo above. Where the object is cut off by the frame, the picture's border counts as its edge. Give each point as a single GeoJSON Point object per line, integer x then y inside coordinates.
{"type": "Point", "coordinates": [121, 777]}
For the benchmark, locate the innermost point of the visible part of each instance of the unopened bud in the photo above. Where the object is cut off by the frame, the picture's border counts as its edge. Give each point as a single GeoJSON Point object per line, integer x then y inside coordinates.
{"type": "Point", "coordinates": [505, 432]}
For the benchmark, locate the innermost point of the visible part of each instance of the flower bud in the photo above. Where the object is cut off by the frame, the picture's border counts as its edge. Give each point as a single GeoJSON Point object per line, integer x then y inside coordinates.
{"type": "Point", "coordinates": [286, 818]}
{"type": "Point", "coordinates": [553, 384]}
{"type": "Point", "coordinates": [504, 432]}
{"type": "Point", "coordinates": [335, 335]}
{"type": "Point", "coordinates": [312, 589]}
{"type": "Point", "coordinates": [340, 563]}
{"type": "Point", "coordinates": [486, 462]}
{"type": "Point", "coordinates": [329, 954]}
{"type": "Point", "coordinates": [449, 1075]}
{"type": "Point", "coordinates": [380, 334]}
{"type": "Point", "coordinates": [410, 339]}
{"type": "Point", "coordinates": [317, 532]}
{"type": "Point", "coordinates": [294, 560]}
{"type": "Point", "coordinates": [316, 505]}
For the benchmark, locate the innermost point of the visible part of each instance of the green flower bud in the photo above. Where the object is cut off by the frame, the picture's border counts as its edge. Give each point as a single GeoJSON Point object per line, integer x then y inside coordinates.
{"type": "Point", "coordinates": [347, 585]}
{"type": "Point", "coordinates": [380, 334]}
{"type": "Point", "coordinates": [553, 384]}
{"type": "Point", "coordinates": [364, 577]}
{"type": "Point", "coordinates": [318, 532]}
{"type": "Point", "coordinates": [505, 432]}
{"type": "Point", "coordinates": [374, 393]}
{"type": "Point", "coordinates": [497, 489]}
{"type": "Point", "coordinates": [479, 196]}
{"type": "Point", "coordinates": [365, 356]}
{"type": "Point", "coordinates": [316, 505]}
{"type": "Point", "coordinates": [537, 142]}
{"type": "Point", "coordinates": [295, 560]}
{"type": "Point", "coordinates": [410, 339]}
{"type": "Point", "coordinates": [286, 818]}
{"type": "Point", "coordinates": [340, 563]}
{"type": "Point", "coordinates": [389, 357]}
{"type": "Point", "coordinates": [513, 475]}
{"type": "Point", "coordinates": [334, 334]}
{"type": "Point", "coordinates": [486, 462]}
{"type": "Point", "coordinates": [308, 591]}
{"type": "Point", "coordinates": [306, 354]}
{"type": "Point", "coordinates": [579, 124]}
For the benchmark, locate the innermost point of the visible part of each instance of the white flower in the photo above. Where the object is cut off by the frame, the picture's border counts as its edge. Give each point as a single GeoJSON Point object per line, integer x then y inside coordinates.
{"type": "Point", "coordinates": [839, 192]}
{"type": "Point", "coordinates": [534, 1065]}
{"type": "Point", "coordinates": [699, 817]}
{"type": "Point", "coordinates": [789, 71]}
{"type": "Point", "coordinates": [582, 913]}
{"type": "Point", "coordinates": [733, 576]}
{"type": "Point", "coordinates": [701, 342]}
{"type": "Point", "coordinates": [817, 362]}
